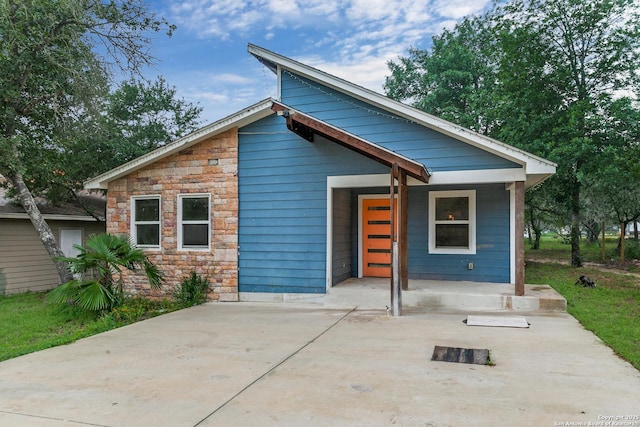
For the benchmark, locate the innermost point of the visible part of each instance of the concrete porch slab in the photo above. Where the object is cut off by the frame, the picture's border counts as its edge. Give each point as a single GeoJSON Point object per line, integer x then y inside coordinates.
{"type": "Point", "coordinates": [374, 293]}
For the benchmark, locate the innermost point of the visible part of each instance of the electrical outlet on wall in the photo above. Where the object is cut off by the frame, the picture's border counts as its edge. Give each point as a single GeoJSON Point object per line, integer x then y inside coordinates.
{"type": "Point", "coordinates": [470, 266]}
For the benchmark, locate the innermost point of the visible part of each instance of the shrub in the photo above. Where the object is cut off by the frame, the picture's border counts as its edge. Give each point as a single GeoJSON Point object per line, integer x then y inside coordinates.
{"type": "Point", "coordinates": [192, 291]}
{"type": "Point", "coordinates": [98, 269]}
{"type": "Point", "coordinates": [631, 249]}
{"type": "Point", "coordinates": [138, 308]}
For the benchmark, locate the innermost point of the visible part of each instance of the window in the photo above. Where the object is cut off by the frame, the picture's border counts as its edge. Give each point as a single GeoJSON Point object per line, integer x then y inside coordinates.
{"type": "Point", "coordinates": [145, 230]}
{"type": "Point", "coordinates": [452, 222]}
{"type": "Point", "coordinates": [194, 224]}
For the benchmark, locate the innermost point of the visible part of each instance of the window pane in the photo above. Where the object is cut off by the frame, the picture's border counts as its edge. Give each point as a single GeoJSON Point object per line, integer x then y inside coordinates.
{"type": "Point", "coordinates": [148, 234]}
{"type": "Point", "coordinates": [147, 210]}
{"type": "Point", "coordinates": [195, 235]}
{"type": "Point", "coordinates": [195, 208]}
{"type": "Point", "coordinates": [452, 208]}
{"type": "Point", "coordinates": [452, 235]}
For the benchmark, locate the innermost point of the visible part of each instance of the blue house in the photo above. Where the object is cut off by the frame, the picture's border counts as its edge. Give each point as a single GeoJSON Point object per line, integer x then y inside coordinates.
{"type": "Point", "coordinates": [294, 194]}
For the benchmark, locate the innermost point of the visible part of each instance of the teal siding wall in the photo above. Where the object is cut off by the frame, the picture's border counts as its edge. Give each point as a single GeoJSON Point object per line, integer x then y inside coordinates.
{"type": "Point", "coordinates": [491, 261]}
{"type": "Point", "coordinates": [436, 151]}
{"type": "Point", "coordinates": [283, 201]}
{"type": "Point", "coordinates": [342, 234]}
{"type": "Point", "coordinates": [283, 204]}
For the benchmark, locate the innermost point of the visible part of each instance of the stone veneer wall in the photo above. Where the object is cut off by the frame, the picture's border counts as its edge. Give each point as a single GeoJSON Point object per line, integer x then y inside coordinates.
{"type": "Point", "coordinates": [211, 167]}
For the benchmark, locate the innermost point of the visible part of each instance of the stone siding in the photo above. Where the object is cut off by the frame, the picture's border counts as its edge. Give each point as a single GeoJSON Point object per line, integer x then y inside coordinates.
{"type": "Point", "coordinates": [210, 167]}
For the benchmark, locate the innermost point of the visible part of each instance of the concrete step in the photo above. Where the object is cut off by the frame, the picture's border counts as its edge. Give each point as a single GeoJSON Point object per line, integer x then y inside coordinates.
{"type": "Point", "coordinates": [373, 293]}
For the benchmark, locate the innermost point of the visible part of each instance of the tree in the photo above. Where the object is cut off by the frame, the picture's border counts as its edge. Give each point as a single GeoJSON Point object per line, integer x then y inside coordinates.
{"type": "Point", "coordinates": [455, 80]}
{"type": "Point", "coordinates": [612, 188]}
{"type": "Point", "coordinates": [558, 65]}
{"type": "Point", "coordinates": [587, 52]}
{"type": "Point", "coordinates": [104, 257]}
{"type": "Point", "coordinates": [135, 118]}
{"type": "Point", "coordinates": [49, 72]}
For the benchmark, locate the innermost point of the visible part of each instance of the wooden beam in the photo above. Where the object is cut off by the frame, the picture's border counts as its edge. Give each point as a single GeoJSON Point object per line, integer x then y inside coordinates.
{"type": "Point", "coordinates": [519, 237]}
{"type": "Point", "coordinates": [396, 289]}
{"type": "Point", "coordinates": [306, 126]}
{"type": "Point", "coordinates": [361, 146]}
{"type": "Point", "coordinates": [403, 228]}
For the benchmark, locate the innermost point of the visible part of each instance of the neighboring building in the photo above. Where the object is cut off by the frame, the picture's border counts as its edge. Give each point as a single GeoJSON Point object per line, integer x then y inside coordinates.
{"type": "Point", "coordinates": [291, 196]}
{"type": "Point", "coordinates": [25, 265]}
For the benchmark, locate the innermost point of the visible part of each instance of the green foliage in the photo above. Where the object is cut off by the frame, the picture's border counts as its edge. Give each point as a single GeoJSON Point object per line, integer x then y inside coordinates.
{"type": "Point", "coordinates": [631, 250]}
{"type": "Point", "coordinates": [98, 270]}
{"type": "Point", "coordinates": [546, 76]}
{"type": "Point", "coordinates": [135, 118]}
{"type": "Point", "coordinates": [455, 80]}
{"type": "Point", "coordinates": [192, 290]}
{"type": "Point", "coordinates": [55, 64]}
{"type": "Point", "coordinates": [28, 324]}
{"type": "Point", "coordinates": [135, 309]}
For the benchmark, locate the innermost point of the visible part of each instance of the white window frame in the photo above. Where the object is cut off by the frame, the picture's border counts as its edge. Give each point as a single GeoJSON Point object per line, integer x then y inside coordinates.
{"type": "Point", "coordinates": [181, 222]}
{"type": "Point", "coordinates": [134, 223]}
{"type": "Point", "coordinates": [471, 195]}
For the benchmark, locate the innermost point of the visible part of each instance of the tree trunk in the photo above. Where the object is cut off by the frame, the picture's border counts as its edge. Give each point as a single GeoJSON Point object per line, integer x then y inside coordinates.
{"type": "Point", "coordinates": [536, 242]}
{"type": "Point", "coordinates": [44, 231]}
{"type": "Point", "coordinates": [593, 229]}
{"type": "Point", "coordinates": [623, 232]}
{"type": "Point", "coordinates": [576, 260]}
{"type": "Point", "coordinates": [535, 230]}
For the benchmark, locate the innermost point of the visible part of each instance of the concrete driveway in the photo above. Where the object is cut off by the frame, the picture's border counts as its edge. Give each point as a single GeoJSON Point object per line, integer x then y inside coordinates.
{"type": "Point", "coordinates": [243, 364]}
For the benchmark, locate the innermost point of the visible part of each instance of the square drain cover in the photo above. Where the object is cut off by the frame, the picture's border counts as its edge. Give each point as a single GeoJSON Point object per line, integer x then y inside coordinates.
{"type": "Point", "coordinates": [461, 355]}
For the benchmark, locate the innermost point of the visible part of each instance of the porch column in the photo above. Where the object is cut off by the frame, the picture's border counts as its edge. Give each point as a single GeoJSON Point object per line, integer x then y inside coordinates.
{"type": "Point", "coordinates": [403, 229]}
{"type": "Point", "coordinates": [396, 291]}
{"type": "Point", "coordinates": [519, 237]}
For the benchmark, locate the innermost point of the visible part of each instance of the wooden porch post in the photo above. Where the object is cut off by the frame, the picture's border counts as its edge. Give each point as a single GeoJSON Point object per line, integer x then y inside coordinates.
{"type": "Point", "coordinates": [403, 229]}
{"type": "Point", "coordinates": [396, 290]}
{"type": "Point", "coordinates": [519, 237]}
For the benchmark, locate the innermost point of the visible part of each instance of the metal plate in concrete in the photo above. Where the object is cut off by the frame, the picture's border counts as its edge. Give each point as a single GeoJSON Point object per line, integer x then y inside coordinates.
{"type": "Point", "coordinates": [475, 356]}
{"type": "Point", "coordinates": [498, 321]}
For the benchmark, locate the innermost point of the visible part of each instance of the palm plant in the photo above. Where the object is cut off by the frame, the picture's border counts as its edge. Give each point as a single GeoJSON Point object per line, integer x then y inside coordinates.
{"type": "Point", "coordinates": [98, 282]}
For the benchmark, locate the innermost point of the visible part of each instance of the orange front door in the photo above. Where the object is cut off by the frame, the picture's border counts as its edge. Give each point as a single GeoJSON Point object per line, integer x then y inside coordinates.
{"type": "Point", "coordinates": [376, 237]}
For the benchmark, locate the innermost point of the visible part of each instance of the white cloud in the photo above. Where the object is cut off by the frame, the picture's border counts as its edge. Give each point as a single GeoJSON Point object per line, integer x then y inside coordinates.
{"type": "Point", "coordinates": [458, 9]}
{"type": "Point", "coordinates": [345, 24]}
{"type": "Point", "coordinates": [352, 39]}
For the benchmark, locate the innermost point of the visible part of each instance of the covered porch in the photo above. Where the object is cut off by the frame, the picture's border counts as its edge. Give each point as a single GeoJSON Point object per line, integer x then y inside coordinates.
{"type": "Point", "coordinates": [374, 293]}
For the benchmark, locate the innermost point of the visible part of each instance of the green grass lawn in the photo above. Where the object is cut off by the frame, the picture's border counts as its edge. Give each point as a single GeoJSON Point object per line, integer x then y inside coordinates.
{"type": "Point", "coordinates": [553, 247]}
{"type": "Point", "coordinates": [611, 310]}
{"type": "Point", "coordinates": [29, 324]}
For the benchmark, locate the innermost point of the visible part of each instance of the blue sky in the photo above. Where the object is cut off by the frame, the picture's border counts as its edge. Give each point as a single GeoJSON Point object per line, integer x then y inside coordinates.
{"type": "Point", "coordinates": [207, 60]}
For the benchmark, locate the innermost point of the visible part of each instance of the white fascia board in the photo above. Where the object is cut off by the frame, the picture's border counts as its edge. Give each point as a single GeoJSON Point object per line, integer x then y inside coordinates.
{"type": "Point", "coordinates": [445, 127]}
{"type": "Point", "coordinates": [246, 116]}
{"type": "Point", "coordinates": [486, 176]}
{"type": "Point", "coordinates": [49, 217]}
{"type": "Point", "coordinates": [471, 177]}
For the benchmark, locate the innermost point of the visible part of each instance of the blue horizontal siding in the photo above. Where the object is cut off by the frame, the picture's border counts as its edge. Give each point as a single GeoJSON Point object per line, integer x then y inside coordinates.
{"type": "Point", "coordinates": [282, 206]}
{"type": "Point", "coordinates": [283, 201]}
{"type": "Point", "coordinates": [491, 260]}
{"type": "Point", "coordinates": [436, 151]}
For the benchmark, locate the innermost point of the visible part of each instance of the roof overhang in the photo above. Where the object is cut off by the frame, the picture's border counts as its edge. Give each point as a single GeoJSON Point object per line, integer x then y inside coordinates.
{"type": "Point", "coordinates": [307, 127]}
{"type": "Point", "coordinates": [246, 116]}
{"type": "Point", "coordinates": [48, 217]}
